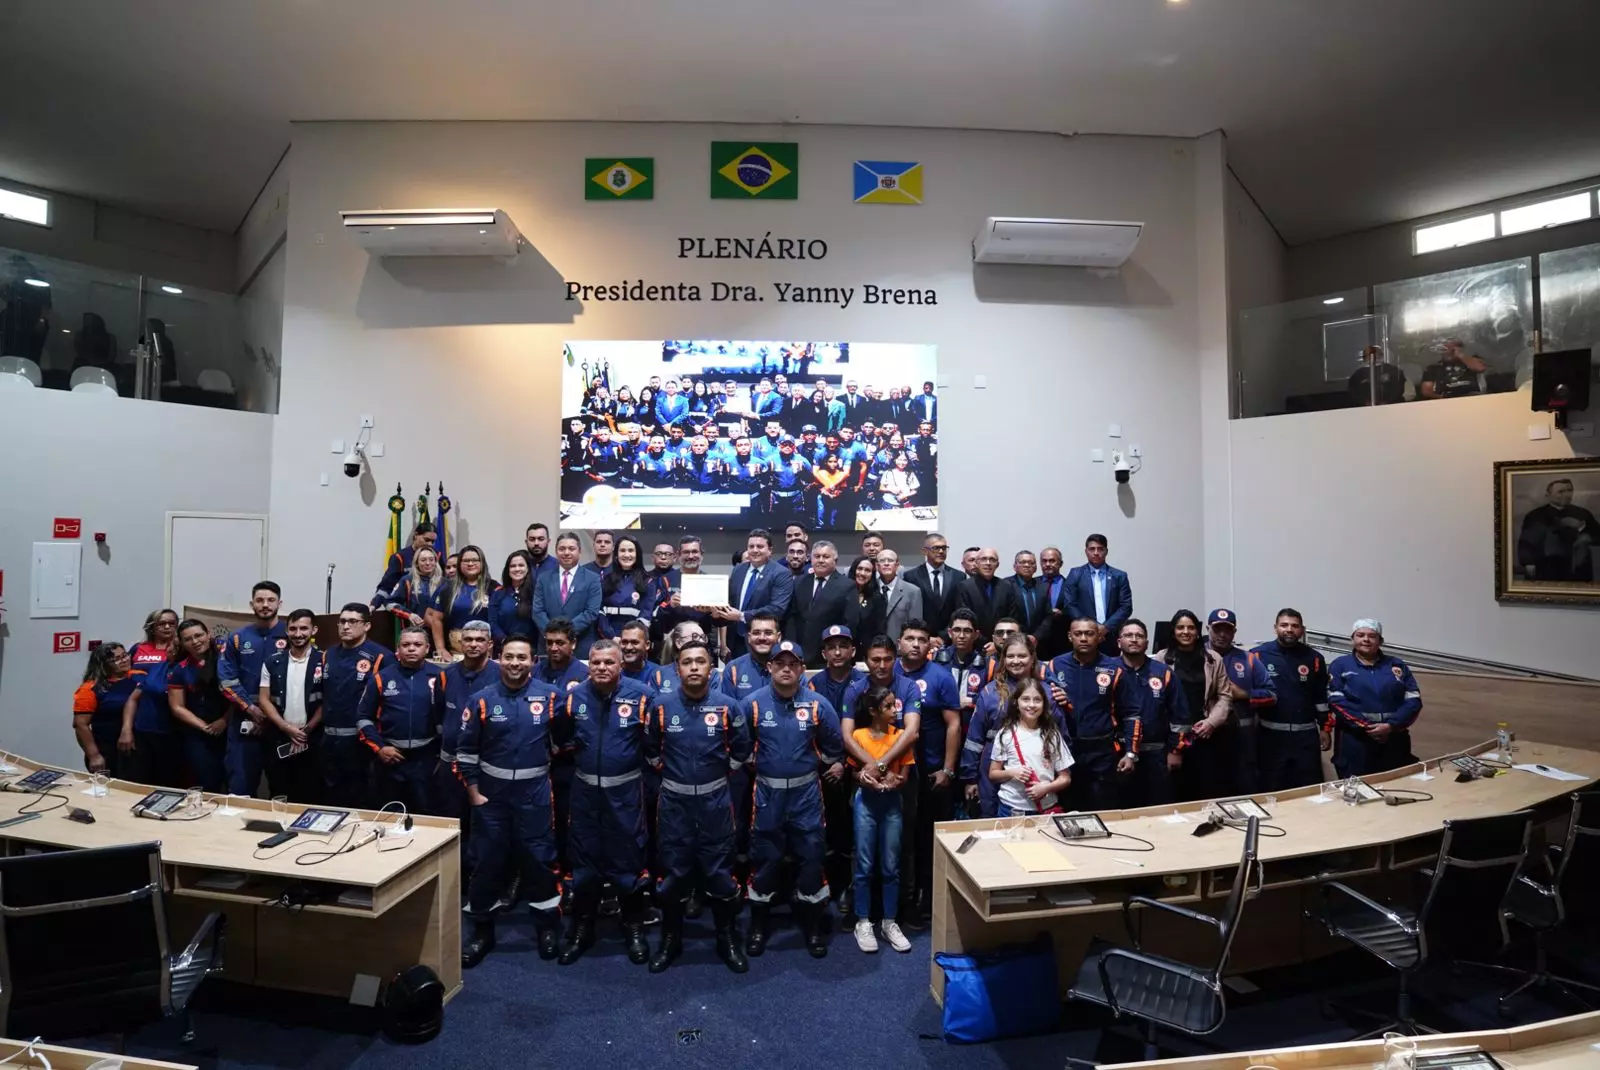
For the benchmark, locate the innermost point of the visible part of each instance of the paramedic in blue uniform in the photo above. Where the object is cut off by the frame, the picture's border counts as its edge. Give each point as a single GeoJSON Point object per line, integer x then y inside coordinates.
{"type": "Point", "coordinates": [837, 676]}
{"type": "Point", "coordinates": [791, 475]}
{"type": "Point", "coordinates": [796, 732]}
{"type": "Point", "coordinates": [1298, 728]}
{"type": "Point", "coordinates": [399, 722]}
{"type": "Point", "coordinates": [294, 672]}
{"type": "Point", "coordinates": [462, 679]}
{"type": "Point", "coordinates": [656, 467]}
{"type": "Point", "coordinates": [938, 752]}
{"type": "Point", "coordinates": [399, 562]}
{"type": "Point", "coordinates": [607, 832]}
{"type": "Point", "coordinates": [347, 671]}
{"type": "Point", "coordinates": [747, 475]}
{"type": "Point", "coordinates": [696, 735]}
{"type": "Point", "coordinates": [560, 668]}
{"type": "Point", "coordinates": [1375, 700]}
{"type": "Point", "coordinates": [1252, 693]}
{"type": "Point", "coordinates": [239, 675]}
{"type": "Point", "coordinates": [743, 677]}
{"type": "Point", "coordinates": [503, 747]}
{"type": "Point", "coordinates": [1154, 721]}
{"type": "Point", "coordinates": [1091, 687]}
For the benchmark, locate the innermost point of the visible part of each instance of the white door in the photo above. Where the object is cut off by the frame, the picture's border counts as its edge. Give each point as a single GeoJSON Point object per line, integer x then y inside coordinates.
{"type": "Point", "coordinates": [213, 559]}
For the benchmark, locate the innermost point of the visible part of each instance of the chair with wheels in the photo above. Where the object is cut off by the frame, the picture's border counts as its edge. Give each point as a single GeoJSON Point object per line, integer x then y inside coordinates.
{"type": "Point", "coordinates": [84, 946]}
{"type": "Point", "coordinates": [1164, 993]}
{"type": "Point", "coordinates": [1542, 907]}
{"type": "Point", "coordinates": [1479, 860]}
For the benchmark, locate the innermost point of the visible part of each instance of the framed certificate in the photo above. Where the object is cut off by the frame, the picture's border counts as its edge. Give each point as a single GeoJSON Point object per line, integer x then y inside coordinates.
{"type": "Point", "coordinates": [704, 590]}
{"type": "Point", "coordinates": [319, 822]}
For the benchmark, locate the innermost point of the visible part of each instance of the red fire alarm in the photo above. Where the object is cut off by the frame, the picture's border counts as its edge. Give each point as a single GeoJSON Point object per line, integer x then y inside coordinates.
{"type": "Point", "coordinates": [67, 527]}
{"type": "Point", "coordinates": [99, 536]}
{"type": "Point", "coordinates": [68, 642]}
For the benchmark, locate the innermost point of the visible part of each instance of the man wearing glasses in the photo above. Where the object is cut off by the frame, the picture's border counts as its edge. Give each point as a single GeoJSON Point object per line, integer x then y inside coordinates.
{"type": "Point", "coordinates": [347, 673]}
{"type": "Point", "coordinates": [937, 581]}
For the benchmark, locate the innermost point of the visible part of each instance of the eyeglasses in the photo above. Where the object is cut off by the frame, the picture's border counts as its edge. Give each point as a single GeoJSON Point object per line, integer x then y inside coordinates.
{"type": "Point", "coordinates": [350, 621]}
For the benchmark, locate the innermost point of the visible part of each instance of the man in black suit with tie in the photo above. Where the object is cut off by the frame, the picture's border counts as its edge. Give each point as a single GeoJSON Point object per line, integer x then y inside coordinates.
{"type": "Point", "coordinates": [1031, 591]}
{"type": "Point", "coordinates": [924, 408]}
{"type": "Point", "coordinates": [988, 596]}
{"type": "Point", "coordinates": [757, 585]}
{"type": "Point", "coordinates": [937, 581]}
{"type": "Point", "coordinates": [818, 602]}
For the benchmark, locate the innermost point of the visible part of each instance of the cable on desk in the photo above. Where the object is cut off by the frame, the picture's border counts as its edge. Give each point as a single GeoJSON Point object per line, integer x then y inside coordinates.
{"type": "Point", "coordinates": [1148, 846]}
{"type": "Point", "coordinates": [1263, 829]}
{"type": "Point", "coordinates": [315, 857]}
{"type": "Point", "coordinates": [1409, 794]}
{"type": "Point", "coordinates": [28, 807]}
{"type": "Point", "coordinates": [203, 810]}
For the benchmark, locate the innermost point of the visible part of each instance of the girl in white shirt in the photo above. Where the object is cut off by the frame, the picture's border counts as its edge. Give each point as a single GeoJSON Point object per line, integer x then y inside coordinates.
{"type": "Point", "coordinates": [1030, 761]}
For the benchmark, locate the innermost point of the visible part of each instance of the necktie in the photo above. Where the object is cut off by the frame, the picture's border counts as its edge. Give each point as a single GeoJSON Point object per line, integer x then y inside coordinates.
{"type": "Point", "coordinates": [938, 584]}
{"type": "Point", "coordinates": [816, 585]}
{"type": "Point", "coordinates": [566, 584]}
{"type": "Point", "coordinates": [749, 582]}
{"type": "Point", "coordinates": [1027, 602]}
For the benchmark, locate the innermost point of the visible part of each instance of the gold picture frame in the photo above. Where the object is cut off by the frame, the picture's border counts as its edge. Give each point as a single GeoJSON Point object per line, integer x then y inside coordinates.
{"type": "Point", "coordinates": [1547, 536]}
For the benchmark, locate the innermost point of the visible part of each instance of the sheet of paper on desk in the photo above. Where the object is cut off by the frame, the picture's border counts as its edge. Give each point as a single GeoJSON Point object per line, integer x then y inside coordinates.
{"type": "Point", "coordinates": [1550, 771]}
{"type": "Point", "coordinates": [1037, 857]}
{"type": "Point", "coordinates": [704, 589]}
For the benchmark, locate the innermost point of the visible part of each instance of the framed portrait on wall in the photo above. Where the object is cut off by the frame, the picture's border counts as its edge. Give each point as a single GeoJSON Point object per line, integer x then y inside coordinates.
{"type": "Point", "coordinates": [1547, 535]}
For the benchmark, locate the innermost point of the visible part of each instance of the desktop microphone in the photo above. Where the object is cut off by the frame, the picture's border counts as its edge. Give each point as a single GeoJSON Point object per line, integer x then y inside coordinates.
{"type": "Point", "coordinates": [1398, 800]}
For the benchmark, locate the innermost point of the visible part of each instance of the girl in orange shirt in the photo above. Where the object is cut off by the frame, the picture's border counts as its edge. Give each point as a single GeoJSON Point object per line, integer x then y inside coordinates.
{"type": "Point", "coordinates": [878, 820]}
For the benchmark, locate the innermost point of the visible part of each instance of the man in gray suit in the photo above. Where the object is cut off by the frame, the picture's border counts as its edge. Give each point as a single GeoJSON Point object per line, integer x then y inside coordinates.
{"type": "Point", "coordinates": [901, 597]}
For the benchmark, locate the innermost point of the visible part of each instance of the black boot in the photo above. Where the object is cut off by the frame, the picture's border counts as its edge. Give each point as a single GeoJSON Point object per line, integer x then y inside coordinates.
{"type": "Point", "coordinates": [755, 941]}
{"type": "Point", "coordinates": [812, 923]}
{"type": "Point", "coordinates": [580, 937]}
{"type": "Point", "coordinates": [671, 938]}
{"type": "Point", "coordinates": [730, 944]}
{"type": "Point", "coordinates": [479, 943]}
{"type": "Point", "coordinates": [695, 907]}
{"type": "Point", "coordinates": [548, 941]}
{"type": "Point", "coordinates": [633, 908]}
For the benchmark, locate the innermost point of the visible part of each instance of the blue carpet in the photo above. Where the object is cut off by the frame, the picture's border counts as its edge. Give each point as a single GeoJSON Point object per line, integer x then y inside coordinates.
{"type": "Point", "coordinates": [845, 1011]}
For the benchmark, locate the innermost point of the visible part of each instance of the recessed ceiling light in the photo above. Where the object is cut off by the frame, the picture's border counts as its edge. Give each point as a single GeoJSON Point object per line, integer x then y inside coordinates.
{"type": "Point", "coordinates": [65, 331]}
{"type": "Point", "coordinates": [172, 289]}
{"type": "Point", "coordinates": [37, 282]}
{"type": "Point", "coordinates": [1333, 300]}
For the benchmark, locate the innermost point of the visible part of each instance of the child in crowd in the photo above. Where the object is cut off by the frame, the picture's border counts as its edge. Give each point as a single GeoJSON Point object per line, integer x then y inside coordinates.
{"type": "Point", "coordinates": [1031, 761]}
{"type": "Point", "coordinates": [878, 820]}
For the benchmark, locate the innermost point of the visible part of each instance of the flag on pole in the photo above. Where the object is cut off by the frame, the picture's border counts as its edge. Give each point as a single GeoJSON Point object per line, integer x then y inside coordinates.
{"type": "Point", "coordinates": [421, 516]}
{"type": "Point", "coordinates": [441, 538]}
{"type": "Point", "coordinates": [397, 508]}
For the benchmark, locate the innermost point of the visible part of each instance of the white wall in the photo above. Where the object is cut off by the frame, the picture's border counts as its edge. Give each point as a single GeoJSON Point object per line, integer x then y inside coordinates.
{"type": "Point", "coordinates": [120, 465]}
{"type": "Point", "coordinates": [1389, 512]}
{"type": "Point", "coordinates": [460, 363]}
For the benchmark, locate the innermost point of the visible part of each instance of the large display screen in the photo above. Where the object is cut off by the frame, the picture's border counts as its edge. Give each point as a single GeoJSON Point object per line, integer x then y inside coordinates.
{"type": "Point", "coordinates": [698, 436]}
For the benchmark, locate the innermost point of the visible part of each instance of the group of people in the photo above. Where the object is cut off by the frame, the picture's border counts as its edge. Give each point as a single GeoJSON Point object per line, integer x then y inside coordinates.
{"type": "Point", "coordinates": [605, 744]}
{"type": "Point", "coordinates": [812, 455]}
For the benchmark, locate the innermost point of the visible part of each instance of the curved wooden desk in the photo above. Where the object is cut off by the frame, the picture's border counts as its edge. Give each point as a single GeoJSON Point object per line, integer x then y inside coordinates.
{"type": "Point", "coordinates": [1560, 1044]}
{"type": "Point", "coordinates": [986, 899]}
{"type": "Point", "coordinates": [387, 910]}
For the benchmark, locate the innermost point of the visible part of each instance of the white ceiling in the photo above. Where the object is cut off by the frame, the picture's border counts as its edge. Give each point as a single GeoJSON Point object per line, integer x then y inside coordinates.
{"type": "Point", "coordinates": [1340, 114]}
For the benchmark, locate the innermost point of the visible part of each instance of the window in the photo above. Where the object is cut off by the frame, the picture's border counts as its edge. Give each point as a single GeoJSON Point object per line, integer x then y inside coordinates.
{"type": "Point", "coordinates": [24, 207]}
{"type": "Point", "coordinates": [1552, 213]}
{"type": "Point", "coordinates": [1458, 232]}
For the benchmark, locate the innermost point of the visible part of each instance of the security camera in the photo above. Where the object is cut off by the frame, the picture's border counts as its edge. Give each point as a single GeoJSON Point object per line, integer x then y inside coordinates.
{"type": "Point", "coordinates": [352, 463]}
{"type": "Point", "coordinates": [1119, 466]}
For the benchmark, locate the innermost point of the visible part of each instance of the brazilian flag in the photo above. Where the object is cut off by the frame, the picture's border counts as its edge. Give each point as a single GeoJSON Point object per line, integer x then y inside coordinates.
{"type": "Point", "coordinates": [768, 169]}
{"type": "Point", "coordinates": [611, 179]}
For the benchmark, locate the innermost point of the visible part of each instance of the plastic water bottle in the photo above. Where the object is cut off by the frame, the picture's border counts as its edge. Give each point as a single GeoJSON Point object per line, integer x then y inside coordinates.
{"type": "Point", "coordinates": [1503, 740]}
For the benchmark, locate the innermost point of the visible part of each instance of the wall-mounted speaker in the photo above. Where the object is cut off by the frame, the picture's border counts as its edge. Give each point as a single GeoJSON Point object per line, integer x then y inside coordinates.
{"type": "Point", "coordinates": [1561, 382]}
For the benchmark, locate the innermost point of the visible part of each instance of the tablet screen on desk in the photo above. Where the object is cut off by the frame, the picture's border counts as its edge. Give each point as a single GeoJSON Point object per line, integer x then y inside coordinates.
{"type": "Point", "coordinates": [1242, 809]}
{"type": "Point", "coordinates": [41, 780]}
{"type": "Point", "coordinates": [1081, 826]}
{"type": "Point", "coordinates": [1457, 1060]}
{"type": "Point", "coordinates": [319, 822]}
{"type": "Point", "coordinates": [159, 803]}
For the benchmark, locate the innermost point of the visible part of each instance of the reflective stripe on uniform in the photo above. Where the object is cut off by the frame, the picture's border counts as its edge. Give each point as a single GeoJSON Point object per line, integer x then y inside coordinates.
{"type": "Point", "coordinates": [680, 788]}
{"type": "Point", "coordinates": [500, 773]}
{"type": "Point", "coordinates": [609, 781]}
{"type": "Point", "coordinates": [410, 744]}
{"type": "Point", "coordinates": [1286, 726]}
{"type": "Point", "coordinates": [341, 733]}
{"type": "Point", "coordinates": [782, 783]}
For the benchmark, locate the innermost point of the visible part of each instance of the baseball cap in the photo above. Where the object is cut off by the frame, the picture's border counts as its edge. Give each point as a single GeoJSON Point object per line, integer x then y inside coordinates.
{"type": "Point", "coordinates": [787, 647]}
{"type": "Point", "coordinates": [809, 427]}
{"type": "Point", "coordinates": [837, 631]}
{"type": "Point", "coordinates": [1222, 616]}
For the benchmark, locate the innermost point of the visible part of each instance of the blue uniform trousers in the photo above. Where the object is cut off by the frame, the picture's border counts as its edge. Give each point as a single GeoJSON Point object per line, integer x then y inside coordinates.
{"type": "Point", "coordinates": [410, 782]}
{"type": "Point", "coordinates": [515, 825]}
{"type": "Point", "coordinates": [694, 835]}
{"type": "Point", "coordinates": [607, 840]}
{"type": "Point", "coordinates": [787, 820]}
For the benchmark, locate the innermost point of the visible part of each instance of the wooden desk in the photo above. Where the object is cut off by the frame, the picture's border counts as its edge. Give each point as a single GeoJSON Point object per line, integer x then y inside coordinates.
{"type": "Point", "coordinates": [409, 908]}
{"type": "Point", "coordinates": [976, 895]}
{"type": "Point", "coordinates": [1559, 1044]}
{"type": "Point", "coordinates": [75, 1058]}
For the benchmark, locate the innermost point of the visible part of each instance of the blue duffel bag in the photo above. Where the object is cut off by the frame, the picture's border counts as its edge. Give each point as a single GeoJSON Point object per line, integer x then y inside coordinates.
{"type": "Point", "coordinates": [1007, 992]}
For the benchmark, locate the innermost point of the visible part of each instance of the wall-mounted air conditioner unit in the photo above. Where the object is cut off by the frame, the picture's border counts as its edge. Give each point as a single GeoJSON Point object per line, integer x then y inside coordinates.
{"type": "Point", "coordinates": [1059, 242]}
{"type": "Point", "coordinates": [434, 232]}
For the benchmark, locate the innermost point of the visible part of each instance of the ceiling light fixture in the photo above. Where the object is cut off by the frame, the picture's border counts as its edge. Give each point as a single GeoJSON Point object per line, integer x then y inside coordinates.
{"type": "Point", "coordinates": [172, 289]}
{"type": "Point", "coordinates": [37, 282]}
{"type": "Point", "coordinates": [1333, 300]}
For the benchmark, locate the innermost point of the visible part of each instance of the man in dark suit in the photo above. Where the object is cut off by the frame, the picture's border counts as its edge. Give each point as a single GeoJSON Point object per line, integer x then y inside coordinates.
{"type": "Point", "coordinates": [902, 601]}
{"type": "Point", "coordinates": [988, 596]}
{"type": "Point", "coordinates": [924, 408]}
{"type": "Point", "coordinates": [1098, 591]}
{"type": "Point", "coordinates": [1557, 538]}
{"type": "Point", "coordinates": [937, 581]}
{"type": "Point", "coordinates": [818, 602]}
{"type": "Point", "coordinates": [568, 591]}
{"type": "Point", "coordinates": [758, 585]}
{"type": "Point", "coordinates": [1031, 591]}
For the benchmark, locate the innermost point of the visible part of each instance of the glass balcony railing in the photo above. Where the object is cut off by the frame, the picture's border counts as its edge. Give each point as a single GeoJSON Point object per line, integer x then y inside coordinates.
{"type": "Point", "coordinates": [68, 326]}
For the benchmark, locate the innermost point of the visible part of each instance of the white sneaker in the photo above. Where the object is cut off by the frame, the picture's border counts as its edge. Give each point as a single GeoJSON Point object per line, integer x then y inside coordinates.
{"type": "Point", "coordinates": [865, 940]}
{"type": "Point", "coordinates": [892, 933]}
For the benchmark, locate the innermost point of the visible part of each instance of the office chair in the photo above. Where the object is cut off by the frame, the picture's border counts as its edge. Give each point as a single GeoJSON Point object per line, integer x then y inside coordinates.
{"type": "Point", "coordinates": [84, 947]}
{"type": "Point", "coordinates": [1479, 860]}
{"type": "Point", "coordinates": [1542, 907]}
{"type": "Point", "coordinates": [1164, 993]}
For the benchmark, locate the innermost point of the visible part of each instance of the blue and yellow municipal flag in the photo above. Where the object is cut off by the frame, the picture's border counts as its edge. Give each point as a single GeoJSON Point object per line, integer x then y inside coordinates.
{"type": "Point", "coordinates": [441, 537]}
{"type": "Point", "coordinates": [608, 178]}
{"type": "Point", "coordinates": [769, 169]}
{"type": "Point", "coordinates": [888, 182]}
{"type": "Point", "coordinates": [397, 509]}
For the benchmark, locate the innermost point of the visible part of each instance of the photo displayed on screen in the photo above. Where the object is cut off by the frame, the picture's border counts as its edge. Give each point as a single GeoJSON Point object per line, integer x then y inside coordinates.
{"type": "Point", "coordinates": [732, 435]}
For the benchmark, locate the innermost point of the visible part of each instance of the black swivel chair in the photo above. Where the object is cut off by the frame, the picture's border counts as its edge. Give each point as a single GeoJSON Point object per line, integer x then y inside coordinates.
{"type": "Point", "coordinates": [1164, 993]}
{"type": "Point", "coordinates": [84, 947]}
{"type": "Point", "coordinates": [1468, 885]}
{"type": "Point", "coordinates": [1542, 907]}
